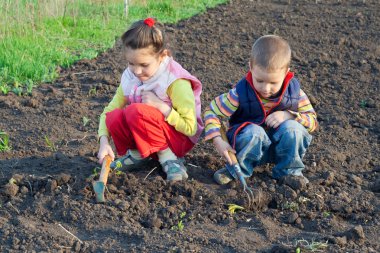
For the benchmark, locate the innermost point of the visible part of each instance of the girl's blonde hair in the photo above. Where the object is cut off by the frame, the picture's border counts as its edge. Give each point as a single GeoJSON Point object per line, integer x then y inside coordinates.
{"type": "Point", "coordinates": [271, 52]}
{"type": "Point", "coordinates": [143, 34]}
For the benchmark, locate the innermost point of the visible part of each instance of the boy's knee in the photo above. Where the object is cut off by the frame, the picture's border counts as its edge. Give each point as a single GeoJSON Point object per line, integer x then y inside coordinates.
{"type": "Point", "coordinates": [252, 137]}
{"type": "Point", "coordinates": [253, 130]}
{"type": "Point", "coordinates": [291, 129]}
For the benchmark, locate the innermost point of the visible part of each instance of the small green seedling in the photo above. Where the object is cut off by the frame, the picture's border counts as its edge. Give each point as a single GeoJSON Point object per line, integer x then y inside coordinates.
{"type": "Point", "coordinates": [293, 206]}
{"type": "Point", "coordinates": [363, 103]}
{"type": "Point", "coordinates": [312, 246]}
{"type": "Point", "coordinates": [29, 87]}
{"type": "Point", "coordinates": [12, 181]}
{"type": "Point", "coordinates": [17, 89]}
{"type": "Point", "coordinates": [95, 171]}
{"type": "Point", "coordinates": [232, 208]}
{"type": "Point", "coordinates": [4, 142]}
{"type": "Point", "coordinates": [298, 250]}
{"type": "Point", "coordinates": [180, 226]}
{"type": "Point", "coordinates": [50, 144]}
{"type": "Point", "coordinates": [4, 89]}
{"type": "Point", "coordinates": [92, 91]}
{"type": "Point", "coordinates": [326, 214]}
{"type": "Point", "coordinates": [118, 172]}
{"type": "Point", "coordinates": [85, 120]}
{"type": "Point", "coordinates": [119, 165]}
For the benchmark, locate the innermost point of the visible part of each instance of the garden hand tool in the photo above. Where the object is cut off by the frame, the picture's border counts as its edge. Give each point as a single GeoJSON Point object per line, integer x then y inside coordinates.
{"type": "Point", "coordinates": [100, 185]}
{"type": "Point", "coordinates": [235, 167]}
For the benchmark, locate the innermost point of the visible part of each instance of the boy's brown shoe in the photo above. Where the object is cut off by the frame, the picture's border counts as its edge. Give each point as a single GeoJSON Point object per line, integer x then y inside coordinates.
{"type": "Point", "coordinates": [222, 176]}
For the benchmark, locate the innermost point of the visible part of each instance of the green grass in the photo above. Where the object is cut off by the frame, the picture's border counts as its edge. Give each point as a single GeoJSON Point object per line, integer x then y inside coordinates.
{"type": "Point", "coordinates": [37, 36]}
{"type": "Point", "coordinates": [4, 142]}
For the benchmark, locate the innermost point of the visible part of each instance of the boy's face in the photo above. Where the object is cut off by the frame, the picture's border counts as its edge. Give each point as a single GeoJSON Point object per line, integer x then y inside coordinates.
{"type": "Point", "coordinates": [267, 84]}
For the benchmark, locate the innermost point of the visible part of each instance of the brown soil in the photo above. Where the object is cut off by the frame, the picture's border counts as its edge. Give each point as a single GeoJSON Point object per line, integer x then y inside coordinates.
{"type": "Point", "coordinates": [337, 58]}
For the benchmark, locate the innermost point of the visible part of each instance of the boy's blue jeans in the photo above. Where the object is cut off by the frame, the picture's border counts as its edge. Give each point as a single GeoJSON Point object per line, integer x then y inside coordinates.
{"type": "Point", "coordinates": [284, 146]}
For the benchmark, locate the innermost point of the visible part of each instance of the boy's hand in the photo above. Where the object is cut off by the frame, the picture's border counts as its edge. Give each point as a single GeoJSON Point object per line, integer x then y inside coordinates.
{"type": "Point", "coordinates": [149, 98]}
{"type": "Point", "coordinates": [275, 119]}
{"type": "Point", "coordinates": [105, 149]}
{"type": "Point", "coordinates": [223, 148]}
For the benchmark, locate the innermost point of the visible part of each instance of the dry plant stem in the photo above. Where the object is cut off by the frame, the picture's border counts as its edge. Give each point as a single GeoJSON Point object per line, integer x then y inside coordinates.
{"type": "Point", "coordinates": [150, 172]}
{"type": "Point", "coordinates": [30, 186]}
{"type": "Point", "coordinates": [17, 211]}
{"type": "Point", "coordinates": [193, 165]}
{"type": "Point", "coordinates": [67, 231]}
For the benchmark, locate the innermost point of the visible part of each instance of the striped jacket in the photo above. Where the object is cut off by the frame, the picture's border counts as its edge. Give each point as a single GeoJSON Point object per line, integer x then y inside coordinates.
{"type": "Point", "coordinates": [227, 104]}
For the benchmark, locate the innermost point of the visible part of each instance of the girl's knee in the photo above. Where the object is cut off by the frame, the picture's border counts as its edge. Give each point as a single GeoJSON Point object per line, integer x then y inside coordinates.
{"type": "Point", "coordinates": [114, 118]}
{"type": "Point", "coordinates": [136, 113]}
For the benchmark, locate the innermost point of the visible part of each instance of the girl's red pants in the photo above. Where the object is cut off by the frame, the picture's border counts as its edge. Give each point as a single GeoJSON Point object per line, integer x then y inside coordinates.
{"type": "Point", "coordinates": [143, 127]}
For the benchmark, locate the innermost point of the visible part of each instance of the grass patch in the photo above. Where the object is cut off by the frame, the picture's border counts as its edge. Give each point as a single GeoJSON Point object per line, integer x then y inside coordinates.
{"type": "Point", "coordinates": [4, 142]}
{"type": "Point", "coordinates": [37, 36]}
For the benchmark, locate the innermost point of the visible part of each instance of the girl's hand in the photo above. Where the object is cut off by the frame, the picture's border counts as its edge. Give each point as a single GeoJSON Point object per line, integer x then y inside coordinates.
{"type": "Point", "coordinates": [105, 149]}
{"type": "Point", "coordinates": [151, 99]}
{"type": "Point", "coordinates": [223, 148]}
{"type": "Point", "coordinates": [275, 119]}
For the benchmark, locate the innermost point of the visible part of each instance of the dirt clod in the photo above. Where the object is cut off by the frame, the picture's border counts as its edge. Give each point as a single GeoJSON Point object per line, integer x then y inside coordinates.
{"type": "Point", "coordinates": [10, 189]}
{"type": "Point", "coordinates": [51, 185]}
{"type": "Point", "coordinates": [292, 218]}
{"type": "Point", "coordinates": [295, 182]}
{"type": "Point", "coordinates": [355, 233]}
{"type": "Point", "coordinates": [63, 178]}
{"type": "Point", "coordinates": [328, 178]}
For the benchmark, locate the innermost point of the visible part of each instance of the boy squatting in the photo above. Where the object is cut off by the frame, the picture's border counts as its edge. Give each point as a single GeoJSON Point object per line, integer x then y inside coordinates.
{"type": "Point", "coordinates": [270, 116]}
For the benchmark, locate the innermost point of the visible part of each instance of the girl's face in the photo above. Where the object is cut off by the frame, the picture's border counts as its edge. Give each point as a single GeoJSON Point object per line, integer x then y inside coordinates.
{"type": "Point", "coordinates": [143, 62]}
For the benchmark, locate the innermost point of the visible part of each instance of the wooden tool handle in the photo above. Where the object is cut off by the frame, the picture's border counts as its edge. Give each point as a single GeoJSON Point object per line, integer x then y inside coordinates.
{"type": "Point", "coordinates": [224, 137]}
{"type": "Point", "coordinates": [105, 169]}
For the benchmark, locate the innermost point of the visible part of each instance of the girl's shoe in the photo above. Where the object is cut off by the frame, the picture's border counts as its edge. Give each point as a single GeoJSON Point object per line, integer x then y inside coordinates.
{"type": "Point", "coordinates": [175, 170]}
{"type": "Point", "coordinates": [127, 162]}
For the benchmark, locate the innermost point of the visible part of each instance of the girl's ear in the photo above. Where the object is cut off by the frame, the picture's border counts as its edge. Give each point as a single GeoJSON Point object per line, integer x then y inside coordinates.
{"type": "Point", "coordinates": [163, 54]}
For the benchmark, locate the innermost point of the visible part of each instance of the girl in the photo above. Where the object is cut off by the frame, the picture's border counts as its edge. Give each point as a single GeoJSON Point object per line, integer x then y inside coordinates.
{"type": "Point", "coordinates": [156, 109]}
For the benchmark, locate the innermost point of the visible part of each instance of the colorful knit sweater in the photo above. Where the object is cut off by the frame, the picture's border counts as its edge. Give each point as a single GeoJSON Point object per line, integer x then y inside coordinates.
{"type": "Point", "coordinates": [225, 105]}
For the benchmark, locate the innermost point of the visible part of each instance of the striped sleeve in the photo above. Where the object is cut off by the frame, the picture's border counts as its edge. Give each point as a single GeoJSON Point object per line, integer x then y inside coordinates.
{"type": "Point", "coordinates": [222, 106]}
{"type": "Point", "coordinates": [306, 115]}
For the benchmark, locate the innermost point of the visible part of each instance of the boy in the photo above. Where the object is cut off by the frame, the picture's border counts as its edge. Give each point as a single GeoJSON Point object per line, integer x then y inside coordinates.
{"type": "Point", "coordinates": [270, 117]}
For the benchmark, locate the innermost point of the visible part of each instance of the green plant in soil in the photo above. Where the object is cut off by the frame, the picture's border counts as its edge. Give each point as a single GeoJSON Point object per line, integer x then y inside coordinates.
{"type": "Point", "coordinates": [292, 206]}
{"type": "Point", "coordinates": [92, 91]}
{"type": "Point", "coordinates": [85, 120]}
{"type": "Point", "coordinates": [180, 226]}
{"type": "Point", "coordinates": [4, 142]}
{"type": "Point", "coordinates": [326, 214]}
{"type": "Point", "coordinates": [232, 208]}
{"type": "Point", "coordinates": [50, 144]}
{"type": "Point", "coordinates": [311, 246]}
{"type": "Point", "coordinates": [95, 171]}
{"type": "Point", "coordinates": [118, 172]}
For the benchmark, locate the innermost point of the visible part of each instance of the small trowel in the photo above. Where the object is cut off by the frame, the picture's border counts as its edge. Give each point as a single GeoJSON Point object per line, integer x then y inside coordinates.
{"type": "Point", "coordinates": [100, 185]}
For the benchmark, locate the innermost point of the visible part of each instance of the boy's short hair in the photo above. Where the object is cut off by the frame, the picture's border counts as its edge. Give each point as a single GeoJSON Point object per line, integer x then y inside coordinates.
{"type": "Point", "coordinates": [271, 52]}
